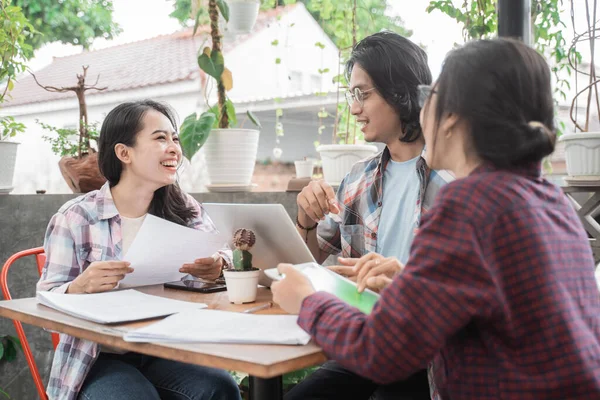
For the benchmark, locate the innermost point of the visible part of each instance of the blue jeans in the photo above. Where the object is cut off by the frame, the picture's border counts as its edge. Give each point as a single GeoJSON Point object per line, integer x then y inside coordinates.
{"type": "Point", "coordinates": [137, 376]}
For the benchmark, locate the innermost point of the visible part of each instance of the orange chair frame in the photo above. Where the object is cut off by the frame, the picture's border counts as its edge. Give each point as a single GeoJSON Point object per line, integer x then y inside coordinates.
{"type": "Point", "coordinates": [40, 259]}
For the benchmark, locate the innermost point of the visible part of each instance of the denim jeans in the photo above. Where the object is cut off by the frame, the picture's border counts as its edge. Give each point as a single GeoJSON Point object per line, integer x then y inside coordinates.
{"type": "Point", "coordinates": [137, 376]}
{"type": "Point", "coordinates": [332, 381]}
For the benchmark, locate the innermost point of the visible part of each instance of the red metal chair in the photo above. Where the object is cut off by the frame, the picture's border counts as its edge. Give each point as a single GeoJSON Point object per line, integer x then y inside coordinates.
{"type": "Point", "coordinates": [40, 258]}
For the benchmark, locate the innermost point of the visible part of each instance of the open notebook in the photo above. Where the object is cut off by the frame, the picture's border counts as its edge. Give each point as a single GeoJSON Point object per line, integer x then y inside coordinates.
{"type": "Point", "coordinates": [212, 326]}
{"type": "Point", "coordinates": [115, 306]}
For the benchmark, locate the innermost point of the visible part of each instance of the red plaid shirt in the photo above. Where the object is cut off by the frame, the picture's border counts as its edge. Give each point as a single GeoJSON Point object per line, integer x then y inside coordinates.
{"type": "Point", "coordinates": [499, 292]}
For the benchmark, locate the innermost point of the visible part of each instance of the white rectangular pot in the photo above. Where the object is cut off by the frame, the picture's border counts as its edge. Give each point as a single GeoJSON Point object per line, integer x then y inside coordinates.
{"type": "Point", "coordinates": [582, 153]}
{"type": "Point", "coordinates": [241, 285]}
{"type": "Point", "coordinates": [338, 159]}
{"type": "Point", "coordinates": [231, 155]}
{"type": "Point", "coordinates": [8, 158]}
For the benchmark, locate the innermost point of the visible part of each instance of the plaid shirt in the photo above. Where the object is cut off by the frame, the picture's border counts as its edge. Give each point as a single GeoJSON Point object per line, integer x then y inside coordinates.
{"type": "Point", "coordinates": [360, 196]}
{"type": "Point", "coordinates": [499, 292]}
{"type": "Point", "coordinates": [84, 230]}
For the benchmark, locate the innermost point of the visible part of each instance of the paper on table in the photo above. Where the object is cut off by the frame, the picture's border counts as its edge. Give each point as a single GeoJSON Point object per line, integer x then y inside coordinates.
{"type": "Point", "coordinates": [212, 326]}
{"type": "Point", "coordinates": [161, 247]}
{"type": "Point", "coordinates": [115, 306]}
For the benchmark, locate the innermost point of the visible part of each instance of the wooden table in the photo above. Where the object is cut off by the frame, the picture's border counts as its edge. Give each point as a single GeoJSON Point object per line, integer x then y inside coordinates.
{"type": "Point", "coordinates": [264, 363]}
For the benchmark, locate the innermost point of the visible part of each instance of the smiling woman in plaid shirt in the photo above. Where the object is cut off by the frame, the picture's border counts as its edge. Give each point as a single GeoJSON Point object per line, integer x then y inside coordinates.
{"type": "Point", "coordinates": [499, 288]}
{"type": "Point", "coordinates": [139, 154]}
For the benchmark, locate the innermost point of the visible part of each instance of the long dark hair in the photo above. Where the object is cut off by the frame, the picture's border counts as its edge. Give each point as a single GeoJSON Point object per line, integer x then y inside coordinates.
{"type": "Point", "coordinates": [397, 67]}
{"type": "Point", "coordinates": [502, 89]}
{"type": "Point", "coordinates": [121, 125]}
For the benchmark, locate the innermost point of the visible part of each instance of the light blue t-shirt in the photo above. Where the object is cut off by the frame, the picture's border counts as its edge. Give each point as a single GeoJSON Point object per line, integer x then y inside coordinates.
{"type": "Point", "coordinates": [399, 209]}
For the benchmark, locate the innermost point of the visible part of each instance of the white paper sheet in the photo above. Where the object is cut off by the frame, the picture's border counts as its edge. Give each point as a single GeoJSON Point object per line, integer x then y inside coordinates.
{"type": "Point", "coordinates": [115, 306]}
{"type": "Point", "coordinates": [161, 247]}
{"type": "Point", "coordinates": [212, 326]}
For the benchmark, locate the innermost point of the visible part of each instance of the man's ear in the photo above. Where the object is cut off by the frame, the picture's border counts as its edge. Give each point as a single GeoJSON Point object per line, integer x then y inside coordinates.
{"type": "Point", "coordinates": [123, 153]}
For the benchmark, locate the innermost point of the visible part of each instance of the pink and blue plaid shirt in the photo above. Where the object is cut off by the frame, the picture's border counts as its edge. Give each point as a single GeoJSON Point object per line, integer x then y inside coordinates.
{"type": "Point", "coordinates": [87, 229]}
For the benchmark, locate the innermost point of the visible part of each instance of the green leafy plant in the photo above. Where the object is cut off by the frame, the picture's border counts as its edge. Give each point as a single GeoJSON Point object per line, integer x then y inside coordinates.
{"type": "Point", "coordinates": [479, 21]}
{"type": "Point", "coordinates": [14, 52]}
{"type": "Point", "coordinates": [65, 141]}
{"type": "Point", "coordinates": [196, 128]}
{"type": "Point", "coordinates": [77, 22]}
{"type": "Point", "coordinates": [8, 352]}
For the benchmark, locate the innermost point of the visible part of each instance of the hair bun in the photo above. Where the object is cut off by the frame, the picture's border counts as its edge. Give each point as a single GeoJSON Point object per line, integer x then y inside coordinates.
{"type": "Point", "coordinates": [538, 128]}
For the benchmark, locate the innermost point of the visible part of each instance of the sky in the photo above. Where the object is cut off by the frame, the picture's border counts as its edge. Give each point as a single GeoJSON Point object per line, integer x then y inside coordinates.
{"type": "Point", "coordinates": [141, 19]}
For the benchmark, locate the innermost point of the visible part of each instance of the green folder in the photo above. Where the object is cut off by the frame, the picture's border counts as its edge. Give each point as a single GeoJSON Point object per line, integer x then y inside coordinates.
{"type": "Point", "coordinates": [343, 288]}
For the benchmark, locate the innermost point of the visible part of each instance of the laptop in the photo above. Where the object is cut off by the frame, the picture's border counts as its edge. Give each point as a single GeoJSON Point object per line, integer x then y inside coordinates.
{"type": "Point", "coordinates": [277, 240]}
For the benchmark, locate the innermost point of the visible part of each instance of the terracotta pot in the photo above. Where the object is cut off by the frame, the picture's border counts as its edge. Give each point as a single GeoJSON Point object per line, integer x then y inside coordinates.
{"type": "Point", "coordinates": [82, 174]}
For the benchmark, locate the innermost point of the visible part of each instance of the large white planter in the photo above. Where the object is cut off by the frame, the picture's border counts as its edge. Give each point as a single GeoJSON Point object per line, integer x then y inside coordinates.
{"type": "Point", "coordinates": [242, 15]}
{"type": "Point", "coordinates": [241, 285]}
{"type": "Point", "coordinates": [582, 153]}
{"type": "Point", "coordinates": [8, 158]}
{"type": "Point", "coordinates": [339, 158]}
{"type": "Point", "coordinates": [231, 155]}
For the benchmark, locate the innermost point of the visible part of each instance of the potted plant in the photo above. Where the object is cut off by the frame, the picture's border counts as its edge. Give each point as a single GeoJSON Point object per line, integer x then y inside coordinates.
{"type": "Point", "coordinates": [582, 148]}
{"type": "Point", "coordinates": [14, 51]}
{"type": "Point", "coordinates": [79, 158]}
{"type": "Point", "coordinates": [230, 152]}
{"type": "Point", "coordinates": [242, 279]}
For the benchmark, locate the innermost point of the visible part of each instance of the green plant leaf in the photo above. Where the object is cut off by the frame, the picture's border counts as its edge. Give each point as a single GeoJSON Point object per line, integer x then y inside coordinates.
{"type": "Point", "coordinates": [10, 352]}
{"type": "Point", "coordinates": [230, 108]}
{"type": "Point", "coordinates": [254, 119]}
{"type": "Point", "coordinates": [275, 42]}
{"type": "Point", "coordinates": [213, 65]}
{"type": "Point", "coordinates": [1, 349]}
{"type": "Point", "coordinates": [4, 393]}
{"type": "Point", "coordinates": [16, 342]}
{"type": "Point", "coordinates": [278, 60]}
{"type": "Point", "coordinates": [194, 132]}
{"type": "Point", "coordinates": [224, 9]}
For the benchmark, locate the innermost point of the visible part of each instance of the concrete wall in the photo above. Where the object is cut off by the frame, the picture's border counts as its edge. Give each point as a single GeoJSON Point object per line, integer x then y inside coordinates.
{"type": "Point", "coordinates": [23, 221]}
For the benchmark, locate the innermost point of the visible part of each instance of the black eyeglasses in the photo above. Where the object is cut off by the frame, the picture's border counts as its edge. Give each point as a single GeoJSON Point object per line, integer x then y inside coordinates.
{"type": "Point", "coordinates": [424, 92]}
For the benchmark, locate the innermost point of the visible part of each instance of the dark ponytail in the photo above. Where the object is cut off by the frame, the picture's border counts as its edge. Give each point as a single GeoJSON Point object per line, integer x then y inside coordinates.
{"type": "Point", "coordinates": [121, 125]}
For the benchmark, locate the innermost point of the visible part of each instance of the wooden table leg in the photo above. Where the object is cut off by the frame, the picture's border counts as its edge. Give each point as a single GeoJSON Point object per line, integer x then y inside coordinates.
{"type": "Point", "coordinates": [266, 388]}
{"type": "Point", "coordinates": [584, 211]}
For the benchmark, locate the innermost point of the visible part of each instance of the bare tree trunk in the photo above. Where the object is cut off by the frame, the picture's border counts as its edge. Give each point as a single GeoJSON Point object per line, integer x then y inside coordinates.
{"type": "Point", "coordinates": [216, 46]}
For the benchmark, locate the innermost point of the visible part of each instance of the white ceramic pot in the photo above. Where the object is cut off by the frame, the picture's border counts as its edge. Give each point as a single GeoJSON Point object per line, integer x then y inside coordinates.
{"type": "Point", "coordinates": [242, 15]}
{"type": "Point", "coordinates": [231, 155]}
{"type": "Point", "coordinates": [241, 285]}
{"type": "Point", "coordinates": [582, 153]}
{"type": "Point", "coordinates": [339, 158]}
{"type": "Point", "coordinates": [304, 168]}
{"type": "Point", "coordinates": [8, 158]}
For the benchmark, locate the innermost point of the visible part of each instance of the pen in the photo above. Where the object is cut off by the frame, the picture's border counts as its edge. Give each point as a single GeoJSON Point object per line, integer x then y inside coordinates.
{"type": "Point", "coordinates": [258, 308]}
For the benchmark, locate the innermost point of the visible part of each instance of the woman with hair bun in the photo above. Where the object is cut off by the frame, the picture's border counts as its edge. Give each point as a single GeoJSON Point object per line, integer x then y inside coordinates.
{"type": "Point", "coordinates": [498, 296]}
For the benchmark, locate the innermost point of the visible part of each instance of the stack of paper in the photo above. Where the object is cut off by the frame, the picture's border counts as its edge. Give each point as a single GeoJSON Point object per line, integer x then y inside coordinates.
{"type": "Point", "coordinates": [211, 326]}
{"type": "Point", "coordinates": [113, 307]}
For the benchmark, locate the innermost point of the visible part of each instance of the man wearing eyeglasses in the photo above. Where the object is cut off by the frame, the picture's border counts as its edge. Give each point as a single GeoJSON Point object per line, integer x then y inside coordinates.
{"type": "Point", "coordinates": [372, 220]}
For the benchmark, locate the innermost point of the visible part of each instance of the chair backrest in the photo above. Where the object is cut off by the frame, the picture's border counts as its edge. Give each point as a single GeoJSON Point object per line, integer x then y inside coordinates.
{"type": "Point", "coordinates": [40, 259]}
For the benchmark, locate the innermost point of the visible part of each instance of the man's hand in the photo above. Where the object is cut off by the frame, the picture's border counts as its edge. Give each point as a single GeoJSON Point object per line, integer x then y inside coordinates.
{"type": "Point", "coordinates": [316, 200]}
{"type": "Point", "coordinates": [208, 268]}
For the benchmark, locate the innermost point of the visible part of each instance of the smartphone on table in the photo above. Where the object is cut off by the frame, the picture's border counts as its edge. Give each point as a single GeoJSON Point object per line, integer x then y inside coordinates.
{"type": "Point", "coordinates": [197, 286]}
